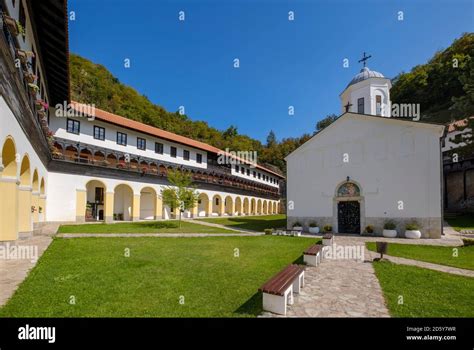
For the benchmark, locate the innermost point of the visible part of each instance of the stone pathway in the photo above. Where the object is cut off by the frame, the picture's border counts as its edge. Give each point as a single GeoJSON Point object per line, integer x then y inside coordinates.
{"type": "Point", "coordinates": [160, 235]}
{"type": "Point", "coordinates": [426, 265]}
{"type": "Point", "coordinates": [14, 271]}
{"type": "Point", "coordinates": [204, 223]}
{"type": "Point", "coordinates": [339, 288]}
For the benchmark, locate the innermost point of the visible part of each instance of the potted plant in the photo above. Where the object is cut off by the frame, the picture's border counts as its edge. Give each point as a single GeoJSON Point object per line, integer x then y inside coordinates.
{"type": "Point", "coordinates": [40, 210]}
{"type": "Point", "coordinates": [33, 88]}
{"type": "Point", "coordinates": [88, 210]}
{"type": "Point", "coordinates": [297, 226]}
{"type": "Point", "coordinates": [389, 229]}
{"type": "Point", "coordinates": [313, 227]}
{"type": "Point", "coordinates": [33, 208]}
{"type": "Point", "coordinates": [327, 228]}
{"type": "Point", "coordinates": [21, 29]}
{"type": "Point", "coordinates": [268, 231]}
{"type": "Point", "coordinates": [412, 230]}
{"type": "Point", "coordinates": [11, 24]}
{"type": "Point", "coordinates": [369, 229]}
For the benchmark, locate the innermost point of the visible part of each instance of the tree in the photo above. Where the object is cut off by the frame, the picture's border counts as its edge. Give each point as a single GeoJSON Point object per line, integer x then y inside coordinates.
{"type": "Point", "coordinates": [230, 132]}
{"type": "Point", "coordinates": [271, 139]}
{"type": "Point", "coordinates": [323, 123]}
{"type": "Point", "coordinates": [182, 195]}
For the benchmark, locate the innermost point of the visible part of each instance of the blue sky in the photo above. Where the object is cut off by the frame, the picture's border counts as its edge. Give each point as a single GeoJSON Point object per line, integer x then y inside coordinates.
{"type": "Point", "coordinates": [282, 63]}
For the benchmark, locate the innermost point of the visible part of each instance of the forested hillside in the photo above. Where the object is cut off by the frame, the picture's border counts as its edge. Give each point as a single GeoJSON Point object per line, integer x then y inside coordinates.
{"type": "Point", "coordinates": [444, 87]}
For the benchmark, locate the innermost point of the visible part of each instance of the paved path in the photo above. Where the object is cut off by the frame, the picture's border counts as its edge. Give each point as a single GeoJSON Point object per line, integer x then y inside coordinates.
{"type": "Point", "coordinates": [211, 224]}
{"type": "Point", "coordinates": [339, 288]}
{"type": "Point", "coordinates": [14, 271]}
{"type": "Point", "coordinates": [160, 235]}
{"type": "Point", "coordinates": [426, 265]}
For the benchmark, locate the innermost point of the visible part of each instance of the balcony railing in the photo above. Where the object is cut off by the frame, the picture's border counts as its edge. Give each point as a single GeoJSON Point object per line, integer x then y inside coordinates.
{"type": "Point", "coordinates": [68, 151]}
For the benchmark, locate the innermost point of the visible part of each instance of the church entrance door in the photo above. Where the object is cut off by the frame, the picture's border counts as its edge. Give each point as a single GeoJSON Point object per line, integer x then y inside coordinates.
{"type": "Point", "coordinates": [348, 217]}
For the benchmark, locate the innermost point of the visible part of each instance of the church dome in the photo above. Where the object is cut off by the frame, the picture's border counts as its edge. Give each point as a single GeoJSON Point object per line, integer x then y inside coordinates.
{"type": "Point", "coordinates": [364, 74]}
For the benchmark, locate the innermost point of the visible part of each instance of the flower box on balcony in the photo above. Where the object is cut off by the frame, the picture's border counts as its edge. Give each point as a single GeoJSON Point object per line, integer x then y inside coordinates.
{"type": "Point", "coordinates": [24, 55]}
{"type": "Point", "coordinates": [41, 113]}
{"type": "Point", "coordinates": [33, 87]}
{"type": "Point", "coordinates": [41, 104]}
{"type": "Point", "coordinates": [121, 165]}
{"type": "Point", "coordinates": [11, 24]}
{"type": "Point", "coordinates": [29, 77]}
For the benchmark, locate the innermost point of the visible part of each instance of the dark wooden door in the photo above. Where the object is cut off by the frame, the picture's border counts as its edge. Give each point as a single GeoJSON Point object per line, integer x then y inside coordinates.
{"type": "Point", "coordinates": [348, 217]}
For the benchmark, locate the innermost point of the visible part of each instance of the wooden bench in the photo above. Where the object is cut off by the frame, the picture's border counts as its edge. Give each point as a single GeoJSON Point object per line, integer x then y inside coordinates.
{"type": "Point", "coordinates": [278, 291]}
{"type": "Point", "coordinates": [328, 239]}
{"type": "Point", "coordinates": [312, 255]}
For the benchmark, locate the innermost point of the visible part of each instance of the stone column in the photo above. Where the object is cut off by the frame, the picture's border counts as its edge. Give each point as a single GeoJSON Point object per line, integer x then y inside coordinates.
{"type": "Point", "coordinates": [136, 207]}
{"type": "Point", "coordinates": [8, 209]}
{"type": "Point", "coordinates": [81, 201]}
{"type": "Point", "coordinates": [24, 209]}
{"type": "Point", "coordinates": [42, 204]}
{"type": "Point", "coordinates": [109, 207]}
{"type": "Point", "coordinates": [158, 208]}
{"type": "Point", "coordinates": [35, 203]}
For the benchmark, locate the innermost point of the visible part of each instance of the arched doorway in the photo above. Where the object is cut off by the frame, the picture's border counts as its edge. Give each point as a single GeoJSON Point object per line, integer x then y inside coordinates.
{"type": "Point", "coordinates": [253, 206]}
{"type": "Point", "coordinates": [259, 207]}
{"type": "Point", "coordinates": [9, 192]}
{"type": "Point", "coordinates": [246, 210]}
{"type": "Point", "coordinates": [123, 203]}
{"type": "Point", "coordinates": [229, 206]}
{"type": "Point", "coordinates": [347, 207]}
{"type": "Point", "coordinates": [25, 208]}
{"type": "Point", "coordinates": [238, 206]}
{"type": "Point", "coordinates": [147, 203]}
{"type": "Point", "coordinates": [203, 205]}
{"type": "Point", "coordinates": [265, 207]}
{"type": "Point", "coordinates": [95, 201]}
{"type": "Point", "coordinates": [217, 205]}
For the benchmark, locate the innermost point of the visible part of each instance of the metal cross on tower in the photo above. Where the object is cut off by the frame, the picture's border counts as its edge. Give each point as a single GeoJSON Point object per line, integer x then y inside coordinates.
{"type": "Point", "coordinates": [364, 59]}
{"type": "Point", "coordinates": [347, 106]}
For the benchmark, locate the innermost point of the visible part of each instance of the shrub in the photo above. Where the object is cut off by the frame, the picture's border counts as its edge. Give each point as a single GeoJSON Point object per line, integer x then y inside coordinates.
{"type": "Point", "coordinates": [313, 224]}
{"type": "Point", "coordinates": [389, 225]}
{"type": "Point", "coordinates": [412, 226]}
{"type": "Point", "coordinates": [327, 228]}
{"type": "Point", "coordinates": [268, 231]}
{"type": "Point", "coordinates": [297, 223]}
{"type": "Point", "coordinates": [369, 229]}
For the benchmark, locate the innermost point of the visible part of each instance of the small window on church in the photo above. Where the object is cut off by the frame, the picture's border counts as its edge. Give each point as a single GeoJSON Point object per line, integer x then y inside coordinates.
{"type": "Point", "coordinates": [378, 105]}
{"type": "Point", "coordinates": [360, 105]}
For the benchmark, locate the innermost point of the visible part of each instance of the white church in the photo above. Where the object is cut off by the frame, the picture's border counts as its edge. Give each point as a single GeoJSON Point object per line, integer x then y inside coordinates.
{"type": "Point", "coordinates": [368, 167]}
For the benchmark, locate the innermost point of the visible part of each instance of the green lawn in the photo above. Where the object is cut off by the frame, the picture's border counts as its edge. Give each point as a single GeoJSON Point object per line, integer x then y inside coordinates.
{"type": "Point", "coordinates": [432, 254]}
{"type": "Point", "coordinates": [142, 227]}
{"type": "Point", "coordinates": [463, 222]}
{"type": "Point", "coordinates": [425, 293]}
{"type": "Point", "coordinates": [149, 283]}
{"type": "Point", "coordinates": [256, 223]}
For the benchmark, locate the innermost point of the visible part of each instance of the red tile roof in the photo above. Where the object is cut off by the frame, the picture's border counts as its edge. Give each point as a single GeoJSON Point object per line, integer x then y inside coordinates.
{"type": "Point", "coordinates": [151, 130]}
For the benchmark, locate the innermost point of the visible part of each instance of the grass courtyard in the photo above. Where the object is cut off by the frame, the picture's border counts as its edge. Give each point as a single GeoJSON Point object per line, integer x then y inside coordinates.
{"type": "Point", "coordinates": [415, 292]}
{"type": "Point", "coordinates": [170, 226]}
{"type": "Point", "coordinates": [462, 257]}
{"type": "Point", "coordinates": [255, 223]}
{"type": "Point", "coordinates": [211, 277]}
